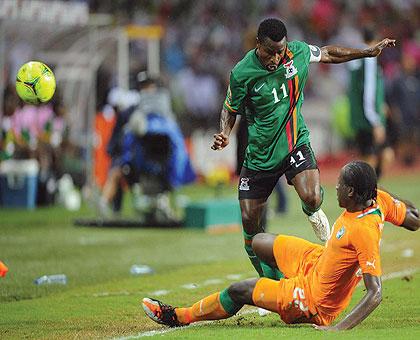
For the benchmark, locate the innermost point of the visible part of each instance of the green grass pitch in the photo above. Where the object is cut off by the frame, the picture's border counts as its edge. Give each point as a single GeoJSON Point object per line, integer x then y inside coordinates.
{"type": "Point", "coordinates": [101, 299]}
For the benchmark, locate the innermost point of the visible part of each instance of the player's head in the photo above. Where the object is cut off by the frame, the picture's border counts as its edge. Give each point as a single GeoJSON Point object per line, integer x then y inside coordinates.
{"type": "Point", "coordinates": [271, 43]}
{"type": "Point", "coordinates": [357, 185]}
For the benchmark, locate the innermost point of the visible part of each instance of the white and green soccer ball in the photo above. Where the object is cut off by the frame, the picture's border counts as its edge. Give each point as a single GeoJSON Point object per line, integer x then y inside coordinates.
{"type": "Point", "coordinates": [35, 83]}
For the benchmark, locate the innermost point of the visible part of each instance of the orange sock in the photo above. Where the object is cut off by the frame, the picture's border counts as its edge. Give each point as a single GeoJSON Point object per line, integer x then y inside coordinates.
{"type": "Point", "coordinates": [208, 308]}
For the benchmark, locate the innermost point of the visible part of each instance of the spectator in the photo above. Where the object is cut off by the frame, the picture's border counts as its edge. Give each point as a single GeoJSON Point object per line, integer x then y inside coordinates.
{"type": "Point", "coordinates": [367, 105]}
{"type": "Point", "coordinates": [200, 93]}
{"type": "Point", "coordinates": [405, 103]}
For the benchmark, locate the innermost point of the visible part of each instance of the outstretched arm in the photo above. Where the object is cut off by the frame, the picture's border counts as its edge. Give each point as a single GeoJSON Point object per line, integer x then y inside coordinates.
{"type": "Point", "coordinates": [221, 139]}
{"type": "Point", "coordinates": [337, 54]}
{"type": "Point", "coordinates": [412, 219]}
{"type": "Point", "coordinates": [370, 301]}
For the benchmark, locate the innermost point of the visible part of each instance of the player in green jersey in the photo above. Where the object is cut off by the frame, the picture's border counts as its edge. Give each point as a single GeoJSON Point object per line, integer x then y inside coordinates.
{"type": "Point", "coordinates": [266, 86]}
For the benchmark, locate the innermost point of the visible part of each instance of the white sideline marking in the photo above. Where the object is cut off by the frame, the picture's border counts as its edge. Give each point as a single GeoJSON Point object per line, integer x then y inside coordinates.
{"type": "Point", "coordinates": [212, 282]}
{"type": "Point", "coordinates": [121, 293]}
{"type": "Point", "coordinates": [160, 292]}
{"type": "Point", "coordinates": [399, 246]}
{"type": "Point", "coordinates": [234, 277]}
{"type": "Point", "coordinates": [407, 252]}
{"type": "Point", "coordinates": [385, 277]}
{"type": "Point", "coordinates": [401, 273]}
{"type": "Point", "coordinates": [169, 330]}
{"type": "Point", "coordinates": [102, 294]}
{"type": "Point", "coordinates": [190, 286]}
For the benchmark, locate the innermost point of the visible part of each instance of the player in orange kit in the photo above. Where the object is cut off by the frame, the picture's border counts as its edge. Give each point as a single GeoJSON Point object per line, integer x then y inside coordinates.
{"type": "Point", "coordinates": [319, 281]}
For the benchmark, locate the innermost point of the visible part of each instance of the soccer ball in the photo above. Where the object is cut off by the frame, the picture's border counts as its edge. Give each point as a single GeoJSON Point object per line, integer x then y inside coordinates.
{"type": "Point", "coordinates": [35, 83]}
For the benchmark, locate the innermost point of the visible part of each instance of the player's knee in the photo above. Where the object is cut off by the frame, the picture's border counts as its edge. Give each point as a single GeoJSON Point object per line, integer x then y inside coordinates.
{"type": "Point", "coordinates": [257, 243]}
{"type": "Point", "coordinates": [312, 198]}
{"type": "Point", "coordinates": [251, 221]}
{"type": "Point", "coordinates": [262, 245]}
{"type": "Point", "coordinates": [247, 216]}
{"type": "Point", "coordinates": [251, 225]}
{"type": "Point", "coordinates": [241, 292]}
{"type": "Point", "coordinates": [258, 240]}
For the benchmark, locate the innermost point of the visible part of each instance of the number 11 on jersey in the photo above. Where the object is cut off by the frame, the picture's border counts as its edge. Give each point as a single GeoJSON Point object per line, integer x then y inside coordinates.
{"type": "Point", "coordinates": [274, 92]}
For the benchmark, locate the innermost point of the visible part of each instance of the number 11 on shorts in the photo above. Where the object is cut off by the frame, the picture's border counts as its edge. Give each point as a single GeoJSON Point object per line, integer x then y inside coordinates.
{"type": "Point", "coordinates": [300, 160]}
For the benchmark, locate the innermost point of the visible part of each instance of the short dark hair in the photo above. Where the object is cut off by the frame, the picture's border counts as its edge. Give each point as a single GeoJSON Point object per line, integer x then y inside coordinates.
{"type": "Point", "coordinates": [271, 28]}
{"type": "Point", "coordinates": [362, 178]}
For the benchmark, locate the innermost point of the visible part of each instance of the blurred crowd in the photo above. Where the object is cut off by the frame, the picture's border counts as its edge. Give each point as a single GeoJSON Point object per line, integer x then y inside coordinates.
{"type": "Point", "coordinates": [35, 132]}
{"type": "Point", "coordinates": [203, 40]}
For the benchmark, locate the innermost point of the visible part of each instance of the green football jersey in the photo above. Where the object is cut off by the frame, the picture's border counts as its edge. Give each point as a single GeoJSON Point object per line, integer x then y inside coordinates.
{"type": "Point", "coordinates": [366, 94]}
{"type": "Point", "coordinates": [271, 103]}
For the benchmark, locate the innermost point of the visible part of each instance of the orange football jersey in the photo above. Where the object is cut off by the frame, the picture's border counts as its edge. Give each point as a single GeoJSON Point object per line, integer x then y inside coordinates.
{"type": "Point", "coordinates": [354, 243]}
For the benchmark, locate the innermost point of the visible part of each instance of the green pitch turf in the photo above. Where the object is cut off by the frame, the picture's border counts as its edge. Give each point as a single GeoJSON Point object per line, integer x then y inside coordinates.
{"type": "Point", "coordinates": [101, 299]}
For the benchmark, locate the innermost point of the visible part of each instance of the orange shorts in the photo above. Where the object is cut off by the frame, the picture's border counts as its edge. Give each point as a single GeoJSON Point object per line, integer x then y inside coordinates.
{"type": "Point", "coordinates": [290, 297]}
{"type": "Point", "coordinates": [295, 256]}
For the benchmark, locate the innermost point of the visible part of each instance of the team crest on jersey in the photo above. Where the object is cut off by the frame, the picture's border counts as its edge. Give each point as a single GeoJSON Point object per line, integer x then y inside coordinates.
{"type": "Point", "coordinates": [244, 186]}
{"type": "Point", "coordinates": [291, 70]}
{"type": "Point", "coordinates": [340, 233]}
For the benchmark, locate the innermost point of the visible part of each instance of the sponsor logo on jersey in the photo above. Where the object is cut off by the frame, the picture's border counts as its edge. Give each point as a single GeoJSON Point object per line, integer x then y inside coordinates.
{"type": "Point", "coordinates": [291, 70]}
{"type": "Point", "coordinates": [340, 233]}
{"type": "Point", "coordinates": [244, 186]}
